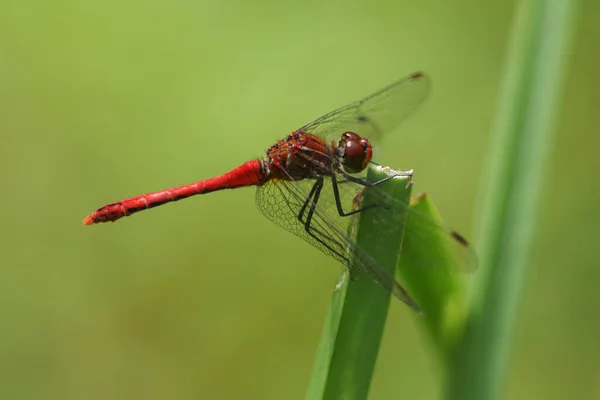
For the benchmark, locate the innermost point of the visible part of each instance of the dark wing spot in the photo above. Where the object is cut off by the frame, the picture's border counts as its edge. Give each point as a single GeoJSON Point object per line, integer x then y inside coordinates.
{"type": "Point", "coordinates": [460, 239]}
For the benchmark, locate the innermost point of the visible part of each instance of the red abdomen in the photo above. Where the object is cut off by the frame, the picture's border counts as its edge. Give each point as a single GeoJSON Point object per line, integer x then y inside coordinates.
{"type": "Point", "coordinates": [250, 173]}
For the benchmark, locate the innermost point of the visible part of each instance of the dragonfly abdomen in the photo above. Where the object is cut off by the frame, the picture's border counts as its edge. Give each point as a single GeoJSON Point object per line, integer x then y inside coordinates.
{"type": "Point", "coordinates": [250, 173]}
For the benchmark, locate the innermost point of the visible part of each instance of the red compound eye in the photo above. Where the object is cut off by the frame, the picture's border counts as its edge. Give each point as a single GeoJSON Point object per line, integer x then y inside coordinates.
{"type": "Point", "coordinates": [357, 152]}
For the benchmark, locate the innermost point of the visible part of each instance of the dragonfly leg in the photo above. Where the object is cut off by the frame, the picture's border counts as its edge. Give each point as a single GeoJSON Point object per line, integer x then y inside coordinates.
{"type": "Point", "coordinates": [338, 202]}
{"type": "Point", "coordinates": [322, 237]}
{"type": "Point", "coordinates": [371, 184]}
{"type": "Point", "coordinates": [318, 183]}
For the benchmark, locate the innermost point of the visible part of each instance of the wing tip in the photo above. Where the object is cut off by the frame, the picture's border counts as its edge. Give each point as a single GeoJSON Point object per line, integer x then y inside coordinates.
{"type": "Point", "coordinates": [403, 295]}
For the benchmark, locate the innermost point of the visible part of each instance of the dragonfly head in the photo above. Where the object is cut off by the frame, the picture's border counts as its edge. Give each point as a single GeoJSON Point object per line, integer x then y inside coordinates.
{"type": "Point", "coordinates": [354, 152]}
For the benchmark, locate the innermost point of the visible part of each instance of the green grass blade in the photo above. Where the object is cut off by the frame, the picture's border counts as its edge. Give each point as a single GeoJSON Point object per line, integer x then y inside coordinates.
{"type": "Point", "coordinates": [353, 328]}
{"type": "Point", "coordinates": [354, 325]}
{"type": "Point", "coordinates": [523, 137]}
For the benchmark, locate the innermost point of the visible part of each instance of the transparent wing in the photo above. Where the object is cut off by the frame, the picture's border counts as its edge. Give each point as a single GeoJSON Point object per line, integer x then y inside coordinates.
{"type": "Point", "coordinates": [375, 115]}
{"type": "Point", "coordinates": [283, 201]}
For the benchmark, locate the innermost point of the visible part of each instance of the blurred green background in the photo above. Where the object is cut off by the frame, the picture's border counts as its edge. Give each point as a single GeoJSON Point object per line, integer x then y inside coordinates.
{"type": "Point", "coordinates": [206, 298]}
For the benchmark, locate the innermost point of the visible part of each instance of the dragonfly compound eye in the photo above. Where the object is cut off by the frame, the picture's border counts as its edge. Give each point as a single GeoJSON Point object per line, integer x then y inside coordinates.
{"type": "Point", "coordinates": [357, 153]}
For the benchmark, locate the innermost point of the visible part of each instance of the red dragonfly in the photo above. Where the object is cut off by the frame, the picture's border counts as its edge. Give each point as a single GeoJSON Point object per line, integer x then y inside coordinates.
{"type": "Point", "coordinates": [306, 183]}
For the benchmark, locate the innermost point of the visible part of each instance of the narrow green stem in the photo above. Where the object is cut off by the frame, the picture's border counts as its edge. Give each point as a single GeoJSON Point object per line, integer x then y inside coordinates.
{"type": "Point", "coordinates": [523, 138]}
{"type": "Point", "coordinates": [354, 325]}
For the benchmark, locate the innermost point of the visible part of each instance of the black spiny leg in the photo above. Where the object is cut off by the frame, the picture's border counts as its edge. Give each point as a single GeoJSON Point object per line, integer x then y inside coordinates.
{"type": "Point", "coordinates": [322, 237]}
{"type": "Point", "coordinates": [365, 183]}
{"type": "Point", "coordinates": [318, 183]}
{"type": "Point", "coordinates": [338, 202]}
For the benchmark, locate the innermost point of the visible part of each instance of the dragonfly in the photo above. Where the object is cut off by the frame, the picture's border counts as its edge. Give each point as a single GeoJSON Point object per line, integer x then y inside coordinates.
{"type": "Point", "coordinates": [308, 184]}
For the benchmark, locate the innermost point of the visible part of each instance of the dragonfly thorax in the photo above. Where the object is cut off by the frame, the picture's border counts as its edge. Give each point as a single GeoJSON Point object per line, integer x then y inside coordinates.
{"type": "Point", "coordinates": [354, 152]}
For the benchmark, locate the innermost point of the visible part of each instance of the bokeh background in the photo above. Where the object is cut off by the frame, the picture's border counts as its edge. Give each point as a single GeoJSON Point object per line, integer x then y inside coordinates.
{"type": "Point", "coordinates": [206, 298]}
